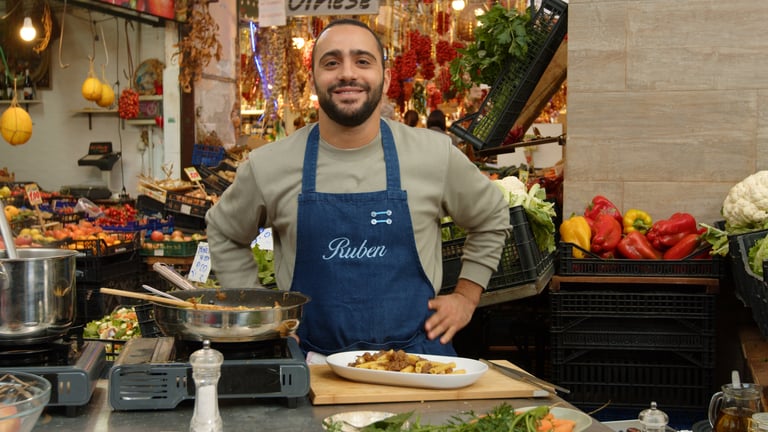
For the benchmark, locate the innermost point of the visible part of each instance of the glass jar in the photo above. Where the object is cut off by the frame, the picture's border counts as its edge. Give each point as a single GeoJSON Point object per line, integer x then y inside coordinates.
{"type": "Point", "coordinates": [653, 419]}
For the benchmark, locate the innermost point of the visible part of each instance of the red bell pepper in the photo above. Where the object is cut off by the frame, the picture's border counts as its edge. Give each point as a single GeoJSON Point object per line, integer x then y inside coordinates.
{"type": "Point", "coordinates": [635, 245]}
{"type": "Point", "coordinates": [684, 247]}
{"type": "Point", "coordinates": [601, 204]}
{"type": "Point", "coordinates": [666, 233]}
{"type": "Point", "coordinates": [606, 233]}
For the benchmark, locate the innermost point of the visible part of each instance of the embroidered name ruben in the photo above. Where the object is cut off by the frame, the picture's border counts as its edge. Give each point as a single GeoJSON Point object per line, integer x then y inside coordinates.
{"type": "Point", "coordinates": [340, 248]}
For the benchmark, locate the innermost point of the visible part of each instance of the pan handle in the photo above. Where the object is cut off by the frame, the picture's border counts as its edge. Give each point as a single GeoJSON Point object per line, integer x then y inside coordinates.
{"type": "Point", "coordinates": [172, 276]}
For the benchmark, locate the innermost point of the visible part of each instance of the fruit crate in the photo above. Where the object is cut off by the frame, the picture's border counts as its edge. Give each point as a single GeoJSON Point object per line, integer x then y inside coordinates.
{"type": "Point", "coordinates": [212, 181]}
{"type": "Point", "coordinates": [510, 92]}
{"type": "Point", "coordinates": [207, 155]}
{"type": "Point", "coordinates": [521, 260]}
{"type": "Point", "coordinates": [630, 379]}
{"type": "Point", "coordinates": [98, 268]}
{"type": "Point", "coordinates": [187, 205]}
{"type": "Point", "coordinates": [592, 265]}
{"type": "Point", "coordinates": [99, 247]}
{"type": "Point", "coordinates": [749, 287]}
{"type": "Point", "coordinates": [169, 248]}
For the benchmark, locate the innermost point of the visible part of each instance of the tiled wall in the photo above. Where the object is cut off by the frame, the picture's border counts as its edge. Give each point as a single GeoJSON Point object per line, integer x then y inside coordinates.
{"type": "Point", "coordinates": [667, 102]}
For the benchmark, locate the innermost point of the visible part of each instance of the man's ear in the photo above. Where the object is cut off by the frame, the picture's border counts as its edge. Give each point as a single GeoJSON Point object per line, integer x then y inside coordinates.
{"type": "Point", "coordinates": [387, 79]}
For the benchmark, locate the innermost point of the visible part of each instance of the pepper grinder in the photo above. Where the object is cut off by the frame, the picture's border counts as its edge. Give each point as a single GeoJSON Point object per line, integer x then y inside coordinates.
{"type": "Point", "coordinates": [206, 370]}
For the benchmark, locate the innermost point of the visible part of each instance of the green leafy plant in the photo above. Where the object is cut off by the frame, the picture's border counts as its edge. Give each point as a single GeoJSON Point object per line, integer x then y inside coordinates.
{"type": "Point", "coordinates": [502, 35]}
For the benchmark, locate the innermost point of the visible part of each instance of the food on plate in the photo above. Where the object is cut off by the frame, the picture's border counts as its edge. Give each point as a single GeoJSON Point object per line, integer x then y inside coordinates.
{"type": "Point", "coordinates": [501, 418]}
{"type": "Point", "coordinates": [400, 361]}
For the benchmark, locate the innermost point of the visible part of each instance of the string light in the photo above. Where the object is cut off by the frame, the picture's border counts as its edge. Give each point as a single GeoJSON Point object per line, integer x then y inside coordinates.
{"type": "Point", "coordinates": [457, 5]}
{"type": "Point", "coordinates": [27, 31]}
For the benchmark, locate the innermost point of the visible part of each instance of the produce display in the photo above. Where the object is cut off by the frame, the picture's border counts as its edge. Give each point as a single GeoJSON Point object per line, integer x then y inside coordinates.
{"type": "Point", "coordinates": [121, 324]}
{"type": "Point", "coordinates": [605, 232]}
{"type": "Point", "coordinates": [539, 211]}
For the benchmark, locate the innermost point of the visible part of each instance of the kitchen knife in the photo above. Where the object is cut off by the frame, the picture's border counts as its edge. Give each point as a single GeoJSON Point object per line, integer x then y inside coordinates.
{"type": "Point", "coordinates": [525, 377]}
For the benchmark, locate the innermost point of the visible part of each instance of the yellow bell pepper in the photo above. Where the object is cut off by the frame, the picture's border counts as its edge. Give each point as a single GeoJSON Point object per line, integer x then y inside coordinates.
{"type": "Point", "coordinates": [637, 220]}
{"type": "Point", "coordinates": [576, 230]}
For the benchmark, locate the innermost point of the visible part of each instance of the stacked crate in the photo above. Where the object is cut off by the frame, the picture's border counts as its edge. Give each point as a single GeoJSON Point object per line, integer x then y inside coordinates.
{"type": "Point", "coordinates": [625, 333]}
{"type": "Point", "coordinates": [630, 348]}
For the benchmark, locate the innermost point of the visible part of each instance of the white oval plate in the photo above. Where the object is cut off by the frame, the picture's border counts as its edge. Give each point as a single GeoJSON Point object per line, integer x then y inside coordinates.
{"type": "Point", "coordinates": [473, 371]}
{"type": "Point", "coordinates": [582, 419]}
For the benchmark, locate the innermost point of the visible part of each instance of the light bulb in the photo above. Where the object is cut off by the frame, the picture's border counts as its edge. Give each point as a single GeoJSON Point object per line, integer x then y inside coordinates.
{"type": "Point", "coordinates": [298, 42]}
{"type": "Point", "coordinates": [28, 31]}
{"type": "Point", "coordinates": [457, 5]}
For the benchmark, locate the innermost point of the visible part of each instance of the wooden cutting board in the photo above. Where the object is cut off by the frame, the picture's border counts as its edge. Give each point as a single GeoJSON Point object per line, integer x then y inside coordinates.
{"type": "Point", "coordinates": [327, 388]}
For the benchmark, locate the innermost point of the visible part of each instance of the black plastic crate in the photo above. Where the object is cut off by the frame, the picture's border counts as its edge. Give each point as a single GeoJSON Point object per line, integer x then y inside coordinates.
{"type": "Point", "coordinates": [91, 304]}
{"type": "Point", "coordinates": [145, 313]}
{"type": "Point", "coordinates": [633, 334]}
{"type": "Point", "coordinates": [749, 287]}
{"type": "Point", "coordinates": [634, 378]}
{"type": "Point", "coordinates": [690, 309]}
{"type": "Point", "coordinates": [188, 205]}
{"type": "Point", "coordinates": [213, 181]}
{"type": "Point", "coordinates": [99, 247]}
{"type": "Point", "coordinates": [515, 85]}
{"type": "Point", "coordinates": [521, 260]}
{"type": "Point", "coordinates": [592, 265]}
{"type": "Point", "coordinates": [96, 269]}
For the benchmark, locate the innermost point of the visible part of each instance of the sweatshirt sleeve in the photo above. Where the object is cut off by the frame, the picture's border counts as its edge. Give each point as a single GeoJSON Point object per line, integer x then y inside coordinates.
{"type": "Point", "coordinates": [232, 224]}
{"type": "Point", "coordinates": [476, 204]}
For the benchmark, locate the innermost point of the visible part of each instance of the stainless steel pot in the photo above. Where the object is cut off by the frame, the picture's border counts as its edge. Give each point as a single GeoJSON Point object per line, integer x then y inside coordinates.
{"type": "Point", "coordinates": [37, 295]}
{"type": "Point", "coordinates": [270, 314]}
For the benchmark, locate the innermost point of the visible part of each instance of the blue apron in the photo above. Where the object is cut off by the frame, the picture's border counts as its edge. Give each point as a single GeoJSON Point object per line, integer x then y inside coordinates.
{"type": "Point", "coordinates": [356, 258]}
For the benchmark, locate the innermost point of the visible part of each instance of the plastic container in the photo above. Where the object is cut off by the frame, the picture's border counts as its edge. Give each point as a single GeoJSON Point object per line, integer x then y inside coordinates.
{"type": "Point", "coordinates": [592, 265]}
{"type": "Point", "coordinates": [510, 92]}
{"type": "Point", "coordinates": [749, 287]}
{"type": "Point", "coordinates": [521, 260]}
{"type": "Point", "coordinates": [207, 155]}
{"type": "Point", "coordinates": [23, 396]}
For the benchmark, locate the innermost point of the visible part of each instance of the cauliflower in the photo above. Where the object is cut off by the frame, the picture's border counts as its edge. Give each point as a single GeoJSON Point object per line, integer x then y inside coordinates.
{"type": "Point", "coordinates": [746, 206]}
{"type": "Point", "coordinates": [513, 189]}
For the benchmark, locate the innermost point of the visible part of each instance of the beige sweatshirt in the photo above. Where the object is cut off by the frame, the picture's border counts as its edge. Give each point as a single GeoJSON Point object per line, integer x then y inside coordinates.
{"type": "Point", "coordinates": [437, 177]}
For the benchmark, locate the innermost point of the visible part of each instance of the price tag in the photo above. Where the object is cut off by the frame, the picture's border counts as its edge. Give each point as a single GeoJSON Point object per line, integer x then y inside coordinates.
{"type": "Point", "coordinates": [201, 265]}
{"type": "Point", "coordinates": [265, 241]}
{"type": "Point", "coordinates": [192, 174]}
{"type": "Point", "coordinates": [33, 194]}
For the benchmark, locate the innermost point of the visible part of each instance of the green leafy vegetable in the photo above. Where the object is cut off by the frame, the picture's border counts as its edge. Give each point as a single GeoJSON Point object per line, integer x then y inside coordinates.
{"type": "Point", "coordinates": [265, 261]}
{"type": "Point", "coordinates": [757, 254]}
{"type": "Point", "coordinates": [717, 238]}
{"type": "Point", "coordinates": [502, 35]}
{"type": "Point", "coordinates": [502, 418]}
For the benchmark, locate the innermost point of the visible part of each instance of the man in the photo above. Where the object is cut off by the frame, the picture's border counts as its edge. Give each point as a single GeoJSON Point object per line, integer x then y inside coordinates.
{"type": "Point", "coordinates": [355, 204]}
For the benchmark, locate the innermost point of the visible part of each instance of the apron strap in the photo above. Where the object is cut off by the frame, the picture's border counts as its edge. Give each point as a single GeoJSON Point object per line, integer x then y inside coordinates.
{"type": "Point", "coordinates": [309, 172]}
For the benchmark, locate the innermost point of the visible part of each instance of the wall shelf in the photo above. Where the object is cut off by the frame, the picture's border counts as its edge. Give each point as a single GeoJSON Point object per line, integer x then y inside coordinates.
{"type": "Point", "coordinates": [24, 102]}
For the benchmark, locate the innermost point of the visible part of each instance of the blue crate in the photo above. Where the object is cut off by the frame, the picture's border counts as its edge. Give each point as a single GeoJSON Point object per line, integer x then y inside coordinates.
{"type": "Point", "coordinates": [207, 155]}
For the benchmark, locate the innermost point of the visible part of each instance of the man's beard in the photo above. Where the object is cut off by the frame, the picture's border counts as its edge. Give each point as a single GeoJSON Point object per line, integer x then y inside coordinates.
{"type": "Point", "coordinates": [350, 118]}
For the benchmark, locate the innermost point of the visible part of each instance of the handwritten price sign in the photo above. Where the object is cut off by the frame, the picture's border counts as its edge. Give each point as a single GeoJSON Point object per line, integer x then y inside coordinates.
{"type": "Point", "coordinates": [33, 194]}
{"type": "Point", "coordinates": [192, 174]}
{"type": "Point", "coordinates": [201, 265]}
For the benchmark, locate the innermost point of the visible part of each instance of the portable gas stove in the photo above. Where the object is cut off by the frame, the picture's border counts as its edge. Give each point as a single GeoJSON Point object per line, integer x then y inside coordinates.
{"type": "Point", "coordinates": [72, 366]}
{"type": "Point", "coordinates": [154, 373]}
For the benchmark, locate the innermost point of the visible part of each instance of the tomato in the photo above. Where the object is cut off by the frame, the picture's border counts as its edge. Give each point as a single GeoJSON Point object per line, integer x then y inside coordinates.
{"type": "Point", "coordinates": [157, 236]}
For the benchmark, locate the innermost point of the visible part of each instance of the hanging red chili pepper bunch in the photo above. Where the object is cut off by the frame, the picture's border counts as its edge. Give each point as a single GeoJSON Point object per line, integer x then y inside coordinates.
{"type": "Point", "coordinates": [307, 52]}
{"type": "Point", "coordinates": [434, 96]}
{"type": "Point", "coordinates": [395, 90]}
{"type": "Point", "coordinates": [444, 79]}
{"type": "Point", "coordinates": [442, 22]}
{"type": "Point", "coordinates": [128, 104]}
{"type": "Point", "coordinates": [421, 45]}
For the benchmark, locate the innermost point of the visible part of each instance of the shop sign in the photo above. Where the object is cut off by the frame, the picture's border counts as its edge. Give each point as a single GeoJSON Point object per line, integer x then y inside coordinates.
{"type": "Point", "coordinates": [332, 7]}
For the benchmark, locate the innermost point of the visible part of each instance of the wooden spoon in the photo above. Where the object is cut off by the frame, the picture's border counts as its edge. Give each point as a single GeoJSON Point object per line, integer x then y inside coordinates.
{"type": "Point", "coordinates": [158, 299]}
